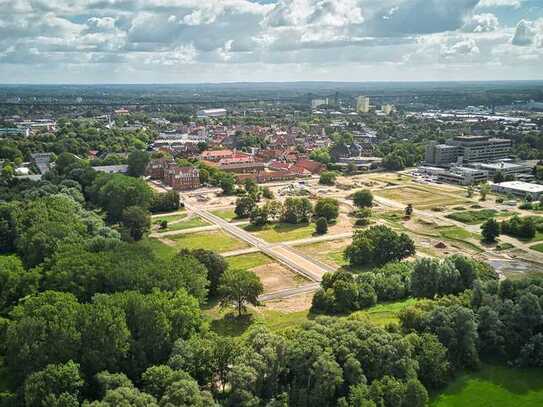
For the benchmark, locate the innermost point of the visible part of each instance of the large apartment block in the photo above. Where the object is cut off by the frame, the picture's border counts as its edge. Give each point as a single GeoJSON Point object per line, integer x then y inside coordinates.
{"type": "Point", "coordinates": [467, 149]}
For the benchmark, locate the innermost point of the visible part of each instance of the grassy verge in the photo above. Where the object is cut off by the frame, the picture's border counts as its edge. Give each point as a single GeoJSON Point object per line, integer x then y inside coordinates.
{"type": "Point", "coordinates": [226, 214]}
{"type": "Point", "coordinates": [186, 224]}
{"type": "Point", "coordinates": [386, 313]}
{"type": "Point", "coordinates": [282, 232]}
{"type": "Point", "coordinates": [170, 217]}
{"type": "Point", "coordinates": [217, 241]}
{"type": "Point", "coordinates": [493, 386]}
{"type": "Point", "coordinates": [248, 261]}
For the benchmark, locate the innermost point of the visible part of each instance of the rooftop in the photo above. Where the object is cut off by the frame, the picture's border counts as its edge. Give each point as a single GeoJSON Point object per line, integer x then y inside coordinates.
{"type": "Point", "coordinates": [522, 186]}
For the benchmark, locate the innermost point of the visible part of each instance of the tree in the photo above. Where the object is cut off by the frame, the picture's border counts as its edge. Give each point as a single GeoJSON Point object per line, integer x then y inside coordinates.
{"type": "Point", "coordinates": [297, 210]}
{"type": "Point", "coordinates": [240, 287]}
{"type": "Point", "coordinates": [415, 394]}
{"type": "Point", "coordinates": [321, 155]}
{"type": "Point", "coordinates": [44, 331]}
{"type": "Point", "coordinates": [408, 210]}
{"type": "Point", "coordinates": [274, 209]}
{"type": "Point", "coordinates": [227, 183]}
{"type": "Point", "coordinates": [116, 192]}
{"type": "Point", "coordinates": [321, 226]}
{"type": "Point", "coordinates": [267, 193]}
{"type": "Point", "coordinates": [484, 189]}
{"type": "Point", "coordinates": [378, 245]}
{"type": "Point", "coordinates": [137, 163]}
{"type": "Point", "coordinates": [327, 208]}
{"type": "Point", "coordinates": [215, 264]}
{"type": "Point", "coordinates": [363, 198]}
{"type": "Point", "coordinates": [259, 216]}
{"type": "Point", "coordinates": [136, 221]}
{"type": "Point", "coordinates": [15, 282]}
{"type": "Point", "coordinates": [490, 230]}
{"type": "Point", "coordinates": [165, 202]}
{"type": "Point", "coordinates": [498, 177]}
{"type": "Point", "coordinates": [56, 385]}
{"type": "Point", "coordinates": [327, 178]}
{"type": "Point", "coordinates": [470, 191]}
{"type": "Point", "coordinates": [244, 206]}
{"type": "Point", "coordinates": [125, 396]}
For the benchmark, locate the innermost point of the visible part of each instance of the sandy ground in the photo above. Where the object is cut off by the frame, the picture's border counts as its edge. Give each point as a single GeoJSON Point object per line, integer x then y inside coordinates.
{"type": "Point", "coordinates": [293, 304]}
{"type": "Point", "coordinates": [275, 277]}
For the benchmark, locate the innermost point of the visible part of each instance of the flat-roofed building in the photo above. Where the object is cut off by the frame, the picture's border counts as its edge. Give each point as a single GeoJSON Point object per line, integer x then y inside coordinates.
{"type": "Point", "coordinates": [519, 188]}
{"type": "Point", "coordinates": [463, 176]}
{"type": "Point", "coordinates": [467, 149]}
{"type": "Point", "coordinates": [205, 113]}
{"type": "Point", "coordinates": [504, 168]}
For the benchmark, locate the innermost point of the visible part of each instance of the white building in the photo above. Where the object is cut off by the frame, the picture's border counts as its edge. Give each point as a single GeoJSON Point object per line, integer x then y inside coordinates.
{"type": "Point", "coordinates": [318, 102]}
{"type": "Point", "coordinates": [519, 188]}
{"type": "Point", "coordinates": [205, 113]}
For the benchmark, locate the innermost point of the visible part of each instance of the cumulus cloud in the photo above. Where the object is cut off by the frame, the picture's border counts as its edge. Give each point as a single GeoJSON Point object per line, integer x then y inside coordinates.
{"type": "Point", "coordinates": [143, 36]}
{"type": "Point", "coordinates": [481, 23]}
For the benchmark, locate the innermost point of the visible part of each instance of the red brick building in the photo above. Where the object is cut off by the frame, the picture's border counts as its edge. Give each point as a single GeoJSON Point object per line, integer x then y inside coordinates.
{"type": "Point", "coordinates": [179, 178]}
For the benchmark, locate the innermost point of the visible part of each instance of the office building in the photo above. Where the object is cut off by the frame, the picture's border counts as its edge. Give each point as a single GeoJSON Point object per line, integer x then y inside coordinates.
{"type": "Point", "coordinates": [467, 149]}
{"type": "Point", "coordinates": [363, 104]}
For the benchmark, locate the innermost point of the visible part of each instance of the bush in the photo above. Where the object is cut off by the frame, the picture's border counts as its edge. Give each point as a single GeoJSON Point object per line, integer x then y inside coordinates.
{"type": "Point", "coordinates": [327, 208]}
{"type": "Point", "coordinates": [363, 198]}
{"type": "Point", "coordinates": [328, 178]}
{"type": "Point", "coordinates": [321, 226]}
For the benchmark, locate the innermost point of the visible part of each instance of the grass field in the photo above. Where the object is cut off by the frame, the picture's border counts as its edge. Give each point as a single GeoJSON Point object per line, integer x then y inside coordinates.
{"type": "Point", "coordinates": [538, 247]}
{"type": "Point", "coordinates": [421, 197]}
{"type": "Point", "coordinates": [193, 222]}
{"type": "Point", "coordinates": [384, 314]}
{"type": "Point", "coordinates": [162, 250]}
{"type": "Point", "coordinates": [170, 217]}
{"type": "Point", "coordinates": [474, 217]}
{"type": "Point", "coordinates": [494, 386]}
{"type": "Point", "coordinates": [330, 252]}
{"type": "Point", "coordinates": [224, 322]}
{"type": "Point", "coordinates": [226, 214]}
{"type": "Point", "coordinates": [248, 261]}
{"type": "Point", "coordinates": [282, 232]}
{"type": "Point", "coordinates": [217, 241]}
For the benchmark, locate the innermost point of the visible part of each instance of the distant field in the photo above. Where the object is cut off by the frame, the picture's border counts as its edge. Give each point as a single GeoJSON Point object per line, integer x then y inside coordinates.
{"type": "Point", "coordinates": [494, 386]}
{"type": "Point", "coordinates": [474, 217]}
{"type": "Point", "coordinates": [421, 197]}
{"type": "Point", "coordinates": [282, 232]}
{"type": "Point", "coordinates": [248, 261]}
{"type": "Point", "coordinates": [226, 214]}
{"type": "Point", "coordinates": [217, 241]}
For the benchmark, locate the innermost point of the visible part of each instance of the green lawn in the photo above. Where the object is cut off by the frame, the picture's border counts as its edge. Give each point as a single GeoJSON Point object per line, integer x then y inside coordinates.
{"type": "Point", "coordinates": [473, 217]}
{"type": "Point", "coordinates": [170, 218]}
{"type": "Point", "coordinates": [248, 261]}
{"type": "Point", "coordinates": [538, 247]}
{"type": "Point", "coordinates": [282, 232]}
{"type": "Point", "coordinates": [161, 250]}
{"type": "Point", "coordinates": [186, 224]}
{"type": "Point", "coordinates": [494, 386]}
{"type": "Point", "coordinates": [226, 214]}
{"type": "Point", "coordinates": [457, 233]}
{"type": "Point", "coordinates": [217, 241]}
{"type": "Point", "coordinates": [386, 313]}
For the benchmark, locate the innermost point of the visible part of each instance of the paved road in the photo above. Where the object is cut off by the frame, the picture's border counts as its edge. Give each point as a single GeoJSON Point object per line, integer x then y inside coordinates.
{"type": "Point", "coordinates": [289, 292]}
{"type": "Point", "coordinates": [309, 268]}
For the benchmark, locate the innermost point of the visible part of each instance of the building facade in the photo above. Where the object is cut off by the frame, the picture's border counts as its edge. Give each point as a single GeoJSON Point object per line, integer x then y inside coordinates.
{"type": "Point", "coordinates": [467, 149]}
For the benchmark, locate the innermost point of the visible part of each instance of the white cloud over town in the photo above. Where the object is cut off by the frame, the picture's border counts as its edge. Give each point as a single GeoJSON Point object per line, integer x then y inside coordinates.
{"type": "Point", "coordinates": [267, 40]}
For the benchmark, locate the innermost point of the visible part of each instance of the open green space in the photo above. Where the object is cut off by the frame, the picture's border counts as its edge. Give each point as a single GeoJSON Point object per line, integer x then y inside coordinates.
{"type": "Point", "coordinates": [538, 247]}
{"type": "Point", "coordinates": [170, 217]}
{"type": "Point", "coordinates": [193, 222]}
{"type": "Point", "coordinates": [282, 232]}
{"type": "Point", "coordinates": [386, 313]}
{"type": "Point", "coordinates": [421, 197]}
{"type": "Point", "coordinates": [493, 386]}
{"type": "Point", "coordinates": [218, 241]}
{"type": "Point", "coordinates": [248, 261]}
{"type": "Point", "coordinates": [226, 214]}
{"type": "Point", "coordinates": [161, 250]}
{"type": "Point", "coordinates": [330, 252]}
{"type": "Point", "coordinates": [475, 217]}
{"type": "Point", "coordinates": [225, 323]}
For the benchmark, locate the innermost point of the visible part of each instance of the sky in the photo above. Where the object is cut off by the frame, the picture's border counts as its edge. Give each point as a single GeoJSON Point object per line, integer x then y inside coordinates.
{"type": "Point", "coordinates": [191, 41]}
